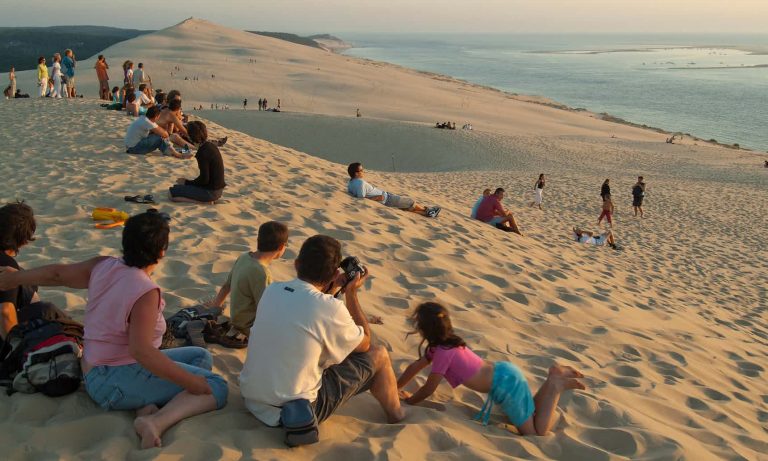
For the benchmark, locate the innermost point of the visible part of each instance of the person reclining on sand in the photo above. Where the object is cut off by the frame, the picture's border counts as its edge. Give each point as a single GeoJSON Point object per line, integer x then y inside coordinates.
{"type": "Point", "coordinates": [490, 211]}
{"type": "Point", "coordinates": [123, 368]}
{"type": "Point", "coordinates": [595, 238]}
{"type": "Point", "coordinates": [473, 213]}
{"type": "Point", "coordinates": [249, 277]}
{"type": "Point", "coordinates": [144, 136]}
{"type": "Point", "coordinates": [306, 344]}
{"type": "Point", "coordinates": [359, 188]}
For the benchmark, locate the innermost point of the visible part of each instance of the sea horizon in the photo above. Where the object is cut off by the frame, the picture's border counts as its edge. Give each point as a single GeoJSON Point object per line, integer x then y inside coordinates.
{"type": "Point", "coordinates": [712, 86]}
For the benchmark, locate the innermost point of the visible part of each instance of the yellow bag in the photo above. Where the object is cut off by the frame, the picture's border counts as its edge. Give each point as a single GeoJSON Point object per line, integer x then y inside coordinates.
{"type": "Point", "coordinates": [117, 217]}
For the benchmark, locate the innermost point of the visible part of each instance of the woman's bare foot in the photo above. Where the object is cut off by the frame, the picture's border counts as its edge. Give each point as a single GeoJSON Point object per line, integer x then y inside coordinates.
{"type": "Point", "coordinates": [147, 431]}
{"type": "Point", "coordinates": [150, 409]}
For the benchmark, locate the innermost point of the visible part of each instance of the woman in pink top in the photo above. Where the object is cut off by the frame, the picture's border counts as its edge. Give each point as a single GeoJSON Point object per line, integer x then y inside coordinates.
{"type": "Point", "coordinates": [502, 381]}
{"type": "Point", "coordinates": [123, 368]}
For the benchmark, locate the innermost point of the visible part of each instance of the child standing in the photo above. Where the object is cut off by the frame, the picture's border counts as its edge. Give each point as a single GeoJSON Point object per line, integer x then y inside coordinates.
{"type": "Point", "coordinates": [607, 210]}
{"type": "Point", "coordinates": [502, 381]}
{"type": "Point", "coordinates": [246, 282]}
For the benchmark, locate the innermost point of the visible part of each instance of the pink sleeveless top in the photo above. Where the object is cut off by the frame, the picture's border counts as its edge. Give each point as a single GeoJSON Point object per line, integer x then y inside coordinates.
{"type": "Point", "coordinates": [112, 291]}
{"type": "Point", "coordinates": [457, 364]}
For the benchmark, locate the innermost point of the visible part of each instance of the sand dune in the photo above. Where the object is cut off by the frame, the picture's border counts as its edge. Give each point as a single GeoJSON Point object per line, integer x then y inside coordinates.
{"type": "Point", "coordinates": [671, 331]}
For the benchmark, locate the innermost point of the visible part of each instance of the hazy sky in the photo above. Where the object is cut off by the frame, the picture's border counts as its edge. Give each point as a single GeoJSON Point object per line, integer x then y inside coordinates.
{"type": "Point", "coordinates": [338, 16]}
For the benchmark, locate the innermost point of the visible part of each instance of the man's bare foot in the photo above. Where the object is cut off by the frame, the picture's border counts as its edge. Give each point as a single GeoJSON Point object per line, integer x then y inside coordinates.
{"type": "Point", "coordinates": [397, 417]}
{"type": "Point", "coordinates": [150, 409]}
{"type": "Point", "coordinates": [147, 431]}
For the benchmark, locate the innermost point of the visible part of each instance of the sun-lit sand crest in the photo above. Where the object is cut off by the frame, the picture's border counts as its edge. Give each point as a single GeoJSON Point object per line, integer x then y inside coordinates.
{"type": "Point", "coordinates": [671, 332]}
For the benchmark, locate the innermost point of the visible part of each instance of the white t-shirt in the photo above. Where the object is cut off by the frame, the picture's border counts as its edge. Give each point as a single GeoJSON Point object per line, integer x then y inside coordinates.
{"type": "Point", "coordinates": [298, 332]}
{"type": "Point", "coordinates": [361, 189]}
{"type": "Point", "coordinates": [473, 213]}
{"type": "Point", "coordinates": [56, 70]}
{"type": "Point", "coordinates": [138, 130]}
{"type": "Point", "coordinates": [139, 76]}
{"type": "Point", "coordinates": [142, 98]}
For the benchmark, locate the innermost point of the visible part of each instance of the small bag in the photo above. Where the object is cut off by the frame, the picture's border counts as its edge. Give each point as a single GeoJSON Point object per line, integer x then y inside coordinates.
{"type": "Point", "coordinates": [300, 423]}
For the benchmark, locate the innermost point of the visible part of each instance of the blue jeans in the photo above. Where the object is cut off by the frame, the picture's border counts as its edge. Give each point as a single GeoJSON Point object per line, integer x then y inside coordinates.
{"type": "Point", "coordinates": [130, 387]}
{"type": "Point", "coordinates": [149, 144]}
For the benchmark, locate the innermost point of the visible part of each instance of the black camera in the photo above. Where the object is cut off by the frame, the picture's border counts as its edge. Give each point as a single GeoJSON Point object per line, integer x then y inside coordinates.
{"type": "Point", "coordinates": [351, 267]}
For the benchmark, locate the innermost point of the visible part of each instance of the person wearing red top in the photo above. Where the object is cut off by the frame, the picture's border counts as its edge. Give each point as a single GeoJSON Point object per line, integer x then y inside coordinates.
{"type": "Point", "coordinates": [492, 212]}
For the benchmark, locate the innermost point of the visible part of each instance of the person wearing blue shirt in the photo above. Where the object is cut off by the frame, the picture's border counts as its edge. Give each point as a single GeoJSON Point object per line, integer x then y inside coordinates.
{"type": "Point", "coordinates": [69, 71]}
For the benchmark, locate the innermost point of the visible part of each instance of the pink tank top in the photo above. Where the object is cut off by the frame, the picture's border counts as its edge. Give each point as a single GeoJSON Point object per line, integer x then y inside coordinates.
{"type": "Point", "coordinates": [112, 291]}
{"type": "Point", "coordinates": [457, 364]}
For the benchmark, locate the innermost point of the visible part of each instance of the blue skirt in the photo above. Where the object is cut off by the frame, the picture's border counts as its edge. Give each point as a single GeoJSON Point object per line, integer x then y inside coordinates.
{"type": "Point", "coordinates": [510, 391]}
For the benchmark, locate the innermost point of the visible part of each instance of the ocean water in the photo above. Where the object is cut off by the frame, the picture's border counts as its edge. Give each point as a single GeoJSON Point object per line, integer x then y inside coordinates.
{"type": "Point", "coordinates": [710, 86]}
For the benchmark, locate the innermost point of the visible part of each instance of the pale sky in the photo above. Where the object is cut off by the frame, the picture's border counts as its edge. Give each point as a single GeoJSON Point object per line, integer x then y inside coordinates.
{"type": "Point", "coordinates": [409, 16]}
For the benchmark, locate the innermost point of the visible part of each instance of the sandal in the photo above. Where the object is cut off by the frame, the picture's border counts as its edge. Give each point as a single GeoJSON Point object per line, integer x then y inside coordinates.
{"type": "Point", "coordinates": [149, 198]}
{"type": "Point", "coordinates": [234, 340]}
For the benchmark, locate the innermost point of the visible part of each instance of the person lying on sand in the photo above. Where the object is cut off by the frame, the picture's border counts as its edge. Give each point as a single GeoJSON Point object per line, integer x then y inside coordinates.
{"type": "Point", "coordinates": [123, 368]}
{"type": "Point", "coordinates": [209, 184]}
{"type": "Point", "coordinates": [504, 382]}
{"type": "Point", "coordinates": [337, 359]}
{"type": "Point", "coordinates": [492, 212]}
{"type": "Point", "coordinates": [249, 277]}
{"type": "Point", "coordinates": [360, 188]}
{"type": "Point", "coordinates": [595, 238]}
{"type": "Point", "coordinates": [144, 136]}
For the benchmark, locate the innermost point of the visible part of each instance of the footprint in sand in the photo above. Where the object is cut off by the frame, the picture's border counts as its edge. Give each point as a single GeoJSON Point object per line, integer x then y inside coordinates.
{"type": "Point", "coordinates": [519, 298]}
{"type": "Point", "coordinates": [716, 395]}
{"type": "Point", "coordinates": [750, 369]}
{"type": "Point", "coordinates": [554, 309]}
{"type": "Point", "coordinates": [498, 281]}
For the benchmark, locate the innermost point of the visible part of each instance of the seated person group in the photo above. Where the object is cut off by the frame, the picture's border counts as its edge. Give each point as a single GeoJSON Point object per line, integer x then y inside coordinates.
{"type": "Point", "coordinates": [303, 343]}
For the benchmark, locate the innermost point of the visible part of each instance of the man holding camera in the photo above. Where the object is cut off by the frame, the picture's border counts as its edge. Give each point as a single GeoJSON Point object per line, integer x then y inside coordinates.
{"type": "Point", "coordinates": [306, 344]}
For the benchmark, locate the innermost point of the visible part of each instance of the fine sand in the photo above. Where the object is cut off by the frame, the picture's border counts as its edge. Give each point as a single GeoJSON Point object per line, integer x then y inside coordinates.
{"type": "Point", "coordinates": [671, 332]}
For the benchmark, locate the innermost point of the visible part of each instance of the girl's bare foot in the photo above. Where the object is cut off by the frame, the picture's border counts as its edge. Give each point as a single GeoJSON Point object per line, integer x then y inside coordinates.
{"type": "Point", "coordinates": [564, 371]}
{"type": "Point", "coordinates": [147, 431]}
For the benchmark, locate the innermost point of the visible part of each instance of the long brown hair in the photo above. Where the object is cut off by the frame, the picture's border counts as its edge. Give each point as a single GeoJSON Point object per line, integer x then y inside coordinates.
{"type": "Point", "coordinates": [432, 321]}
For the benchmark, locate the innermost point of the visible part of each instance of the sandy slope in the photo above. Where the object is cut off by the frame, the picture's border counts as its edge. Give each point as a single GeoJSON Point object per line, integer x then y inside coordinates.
{"type": "Point", "coordinates": [671, 331]}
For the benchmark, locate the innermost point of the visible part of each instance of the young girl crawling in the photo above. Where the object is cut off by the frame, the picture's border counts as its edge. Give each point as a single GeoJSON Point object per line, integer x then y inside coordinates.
{"type": "Point", "coordinates": [502, 381]}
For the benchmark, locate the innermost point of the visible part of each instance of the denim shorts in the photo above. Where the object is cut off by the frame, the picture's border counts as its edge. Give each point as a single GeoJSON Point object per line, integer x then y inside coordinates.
{"type": "Point", "coordinates": [131, 387]}
{"type": "Point", "coordinates": [149, 144]}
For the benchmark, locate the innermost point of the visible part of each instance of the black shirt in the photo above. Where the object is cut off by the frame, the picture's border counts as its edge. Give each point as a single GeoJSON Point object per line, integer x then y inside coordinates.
{"type": "Point", "coordinates": [605, 190]}
{"type": "Point", "coordinates": [20, 297]}
{"type": "Point", "coordinates": [211, 167]}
